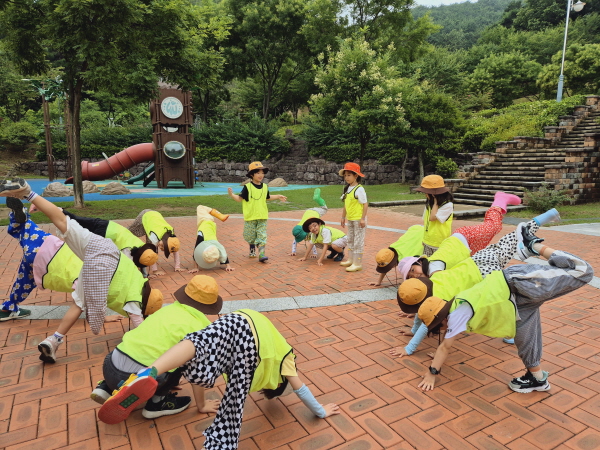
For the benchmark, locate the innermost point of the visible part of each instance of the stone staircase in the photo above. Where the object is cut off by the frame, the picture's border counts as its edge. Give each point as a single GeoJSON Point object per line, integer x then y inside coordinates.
{"type": "Point", "coordinates": [522, 164]}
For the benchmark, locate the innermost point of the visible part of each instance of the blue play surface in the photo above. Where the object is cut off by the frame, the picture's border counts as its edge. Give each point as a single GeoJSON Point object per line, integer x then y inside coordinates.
{"type": "Point", "coordinates": [176, 189]}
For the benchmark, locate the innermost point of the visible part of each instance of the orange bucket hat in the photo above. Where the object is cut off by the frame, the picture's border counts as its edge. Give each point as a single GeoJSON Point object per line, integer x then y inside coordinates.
{"type": "Point", "coordinates": [352, 167]}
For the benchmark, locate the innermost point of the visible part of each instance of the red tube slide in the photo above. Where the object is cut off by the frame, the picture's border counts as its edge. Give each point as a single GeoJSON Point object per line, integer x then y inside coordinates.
{"type": "Point", "coordinates": [116, 164]}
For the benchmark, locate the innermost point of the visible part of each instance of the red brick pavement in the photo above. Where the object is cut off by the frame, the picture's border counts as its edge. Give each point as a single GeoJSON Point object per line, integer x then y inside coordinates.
{"type": "Point", "coordinates": [343, 355]}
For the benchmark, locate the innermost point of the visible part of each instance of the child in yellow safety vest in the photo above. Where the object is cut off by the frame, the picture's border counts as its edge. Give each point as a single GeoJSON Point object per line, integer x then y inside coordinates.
{"type": "Point", "coordinates": [301, 235]}
{"type": "Point", "coordinates": [324, 237]}
{"type": "Point", "coordinates": [245, 347]}
{"type": "Point", "coordinates": [438, 214]}
{"type": "Point", "coordinates": [355, 212]}
{"type": "Point", "coordinates": [208, 251]}
{"type": "Point", "coordinates": [254, 198]}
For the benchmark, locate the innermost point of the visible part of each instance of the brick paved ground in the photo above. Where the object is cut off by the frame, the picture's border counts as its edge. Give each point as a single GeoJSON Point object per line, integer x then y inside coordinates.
{"type": "Point", "coordinates": [343, 354]}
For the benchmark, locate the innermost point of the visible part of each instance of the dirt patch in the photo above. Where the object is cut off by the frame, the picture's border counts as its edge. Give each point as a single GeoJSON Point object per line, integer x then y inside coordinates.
{"type": "Point", "coordinates": [8, 159]}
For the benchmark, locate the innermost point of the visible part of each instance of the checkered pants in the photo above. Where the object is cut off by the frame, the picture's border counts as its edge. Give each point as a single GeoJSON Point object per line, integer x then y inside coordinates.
{"type": "Point", "coordinates": [227, 346]}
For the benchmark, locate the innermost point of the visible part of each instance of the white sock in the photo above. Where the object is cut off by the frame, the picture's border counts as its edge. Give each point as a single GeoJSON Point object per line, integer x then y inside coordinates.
{"type": "Point", "coordinates": [539, 374]}
{"type": "Point", "coordinates": [157, 398]}
{"type": "Point", "coordinates": [59, 336]}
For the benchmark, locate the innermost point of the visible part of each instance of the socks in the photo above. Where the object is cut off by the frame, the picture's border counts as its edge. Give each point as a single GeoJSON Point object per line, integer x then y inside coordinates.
{"type": "Point", "coordinates": [310, 401]}
{"type": "Point", "coordinates": [539, 375]}
{"type": "Point", "coordinates": [317, 197]}
{"type": "Point", "coordinates": [157, 398]}
{"type": "Point", "coordinates": [549, 216]}
{"type": "Point", "coordinates": [31, 196]}
{"type": "Point", "coordinates": [59, 337]}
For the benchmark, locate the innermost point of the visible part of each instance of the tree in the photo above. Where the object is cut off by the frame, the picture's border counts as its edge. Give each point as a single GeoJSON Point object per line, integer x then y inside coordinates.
{"type": "Point", "coordinates": [276, 41]}
{"type": "Point", "coordinates": [582, 66]}
{"type": "Point", "coordinates": [14, 92]}
{"type": "Point", "coordinates": [359, 92]}
{"type": "Point", "coordinates": [119, 46]}
{"type": "Point", "coordinates": [535, 15]}
{"type": "Point", "coordinates": [507, 76]}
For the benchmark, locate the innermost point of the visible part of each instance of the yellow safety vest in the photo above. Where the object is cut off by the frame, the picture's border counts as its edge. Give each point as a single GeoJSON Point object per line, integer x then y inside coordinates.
{"type": "Point", "coordinates": [494, 314]}
{"type": "Point", "coordinates": [62, 271]}
{"type": "Point", "coordinates": [122, 237]}
{"type": "Point", "coordinates": [256, 206]}
{"type": "Point", "coordinates": [125, 286]}
{"type": "Point", "coordinates": [410, 243]}
{"type": "Point", "coordinates": [451, 252]}
{"type": "Point", "coordinates": [354, 209]}
{"type": "Point", "coordinates": [308, 214]}
{"type": "Point", "coordinates": [161, 331]}
{"type": "Point", "coordinates": [209, 230]}
{"type": "Point", "coordinates": [154, 222]}
{"type": "Point", "coordinates": [435, 231]}
{"type": "Point", "coordinates": [448, 283]}
{"type": "Point", "coordinates": [335, 235]}
{"type": "Point", "coordinates": [272, 350]}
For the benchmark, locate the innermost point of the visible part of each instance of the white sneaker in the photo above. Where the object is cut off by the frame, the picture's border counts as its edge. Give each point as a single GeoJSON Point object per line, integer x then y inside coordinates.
{"type": "Point", "coordinates": [17, 187]}
{"type": "Point", "coordinates": [48, 348]}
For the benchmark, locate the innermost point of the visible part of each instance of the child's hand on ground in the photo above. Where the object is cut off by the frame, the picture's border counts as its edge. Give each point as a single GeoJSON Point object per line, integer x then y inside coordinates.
{"type": "Point", "coordinates": [399, 352]}
{"type": "Point", "coordinates": [302, 259]}
{"type": "Point", "coordinates": [374, 283]}
{"type": "Point", "coordinates": [363, 223]}
{"type": "Point", "coordinates": [229, 268]}
{"type": "Point", "coordinates": [313, 256]}
{"type": "Point", "coordinates": [159, 273]}
{"type": "Point", "coordinates": [319, 263]}
{"type": "Point", "coordinates": [293, 254]}
{"type": "Point", "coordinates": [180, 269]}
{"type": "Point", "coordinates": [113, 318]}
{"type": "Point", "coordinates": [406, 332]}
{"type": "Point", "coordinates": [210, 406]}
{"type": "Point", "coordinates": [404, 315]}
{"type": "Point", "coordinates": [331, 409]}
{"type": "Point", "coordinates": [192, 270]}
{"type": "Point", "coordinates": [150, 277]}
{"type": "Point", "coordinates": [428, 382]}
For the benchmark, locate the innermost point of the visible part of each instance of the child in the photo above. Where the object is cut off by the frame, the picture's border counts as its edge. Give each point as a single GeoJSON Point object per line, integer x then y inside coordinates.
{"type": "Point", "coordinates": [143, 255]}
{"type": "Point", "coordinates": [507, 304]}
{"type": "Point", "coordinates": [426, 277]}
{"type": "Point", "coordinates": [208, 251]}
{"type": "Point", "coordinates": [254, 198]}
{"type": "Point", "coordinates": [323, 236]}
{"type": "Point", "coordinates": [438, 214]}
{"type": "Point", "coordinates": [107, 277]}
{"type": "Point", "coordinates": [156, 229]}
{"type": "Point", "coordinates": [244, 346]}
{"type": "Point", "coordinates": [299, 234]}
{"type": "Point", "coordinates": [157, 334]}
{"type": "Point", "coordinates": [355, 211]}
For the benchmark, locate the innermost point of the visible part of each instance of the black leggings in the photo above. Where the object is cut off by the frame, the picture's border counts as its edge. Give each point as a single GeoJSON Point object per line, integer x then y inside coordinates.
{"type": "Point", "coordinates": [96, 226]}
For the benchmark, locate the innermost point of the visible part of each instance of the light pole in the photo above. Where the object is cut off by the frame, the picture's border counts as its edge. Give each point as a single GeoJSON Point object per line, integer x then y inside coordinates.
{"type": "Point", "coordinates": [575, 7]}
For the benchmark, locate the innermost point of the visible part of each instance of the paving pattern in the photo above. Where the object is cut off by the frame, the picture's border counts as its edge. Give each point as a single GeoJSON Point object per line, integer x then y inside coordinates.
{"type": "Point", "coordinates": [343, 354]}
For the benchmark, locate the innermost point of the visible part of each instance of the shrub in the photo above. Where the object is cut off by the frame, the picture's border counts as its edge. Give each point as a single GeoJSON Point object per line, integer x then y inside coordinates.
{"type": "Point", "coordinates": [91, 151]}
{"type": "Point", "coordinates": [544, 198]}
{"type": "Point", "coordinates": [385, 153]}
{"type": "Point", "coordinates": [18, 135]}
{"type": "Point", "coordinates": [446, 168]}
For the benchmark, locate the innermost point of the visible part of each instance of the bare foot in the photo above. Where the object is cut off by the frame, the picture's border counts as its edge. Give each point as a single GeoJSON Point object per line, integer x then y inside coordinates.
{"type": "Point", "coordinates": [180, 269]}
{"type": "Point", "coordinates": [159, 273]}
{"type": "Point", "coordinates": [331, 409]}
{"type": "Point", "coordinates": [399, 352]}
{"type": "Point", "coordinates": [113, 318]}
{"type": "Point", "coordinates": [374, 283]}
{"type": "Point", "coordinates": [192, 270]}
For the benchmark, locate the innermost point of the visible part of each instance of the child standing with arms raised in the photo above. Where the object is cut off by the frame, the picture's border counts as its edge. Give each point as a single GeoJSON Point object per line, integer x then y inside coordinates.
{"type": "Point", "coordinates": [254, 198]}
{"type": "Point", "coordinates": [438, 214]}
{"type": "Point", "coordinates": [355, 211]}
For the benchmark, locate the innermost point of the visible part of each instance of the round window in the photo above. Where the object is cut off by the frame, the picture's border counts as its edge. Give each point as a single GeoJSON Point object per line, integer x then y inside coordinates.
{"type": "Point", "coordinates": [174, 150]}
{"type": "Point", "coordinates": [171, 107]}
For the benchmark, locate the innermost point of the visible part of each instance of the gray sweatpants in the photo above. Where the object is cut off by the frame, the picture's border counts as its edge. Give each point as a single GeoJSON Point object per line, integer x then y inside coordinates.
{"type": "Point", "coordinates": [534, 284]}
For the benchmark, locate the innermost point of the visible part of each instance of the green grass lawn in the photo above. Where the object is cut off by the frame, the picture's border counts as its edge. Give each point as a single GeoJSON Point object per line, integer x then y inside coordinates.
{"type": "Point", "coordinates": [570, 214]}
{"type": "Point", "coordinates": [299, 199]}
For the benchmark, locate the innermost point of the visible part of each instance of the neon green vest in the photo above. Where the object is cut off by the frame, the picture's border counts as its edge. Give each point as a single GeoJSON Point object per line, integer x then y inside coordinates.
{"type": "Point", "coordinates": [62, 270]}
{"type": "Point", "coordinates": [451, 251]}
{"type": "Point", "coordinates": [125, 286]}
{"type": "Point", "coordinates": [494, 315]}
{"type": "Point", "coordinates": [161, 331]}
{"type": "Point", "coordinates": [256, 206]}
{"type": "Point", "coordinates": [435, 231]}
{"type": "Point", "coordinates": [354, 208]}
{"type": "Point", "coordinates": [410, 243]}
{"type": "Point", "coordinates": [121, 236]}
{"type": "Point", "coordinates": [335, 234]}
{"type": "Point", "coordinates": [209, 230]}
{"type": "Point", "coordinates": [272, 350]}
{"type": "Point", "coordinates": [448, 283]}
{"type": "Point", "coordinates": [308, 214]}
{"type": "Point", "coordinates": [154, 222]}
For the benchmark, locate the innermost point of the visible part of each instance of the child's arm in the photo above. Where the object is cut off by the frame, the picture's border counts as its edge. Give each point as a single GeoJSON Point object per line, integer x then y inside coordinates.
{"type": "Point", "coordinates": [136, 320]}
{"type": "Point", "coordinates": [308, 249]}
{"type": "Point", "coordinates": [343, 221]}
{"type": "Point", "coordinates": [363, 219]}
{"type": "Point", "coordinates": [177, 260]}
{"type": "Point", "coordinates": [203, 405]}
{"type": "Point", "coordinates": [304, 394]}
{"type": "Point", "coordinates": [195, 269]}
{"type": "Point", "coordinates": [320, 260]}
{"type": "Point", "coordinates": [283, 198]}
{"type": "Point", "coordinates": [411, 347]}
{"type": "Point", "coordinates": [379, 281]}
{"type": "Point", "coordinates": [438, 361]}
{"type": "Point", "coordinates": [154, 268]}
{"type": "Point", "coordinates": [236, 197]}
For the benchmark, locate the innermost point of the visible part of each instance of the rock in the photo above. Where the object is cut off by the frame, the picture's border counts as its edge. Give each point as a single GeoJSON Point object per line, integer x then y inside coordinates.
{"type": "Point", "coordinates": [115, 188]}
{"type": "Point", "coordinates": [57, 189]}
{"type": "Point", "coordinates": [278, 182]}
{"type": "Point", "coordinates": [89, 187]}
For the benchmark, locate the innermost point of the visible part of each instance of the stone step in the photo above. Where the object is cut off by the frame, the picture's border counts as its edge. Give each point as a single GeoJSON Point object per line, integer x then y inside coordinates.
{"type": "Point", "coordinates": [533, 152]}
{"type": "Point", "coordinates": [512, 176]}
{"type": "Point", "coordinates": [523, 171]}
{"type": "Point", "coordinates": [487, 190]}
{"type": "Point", "coordinates": [501, 184]}
{"type": "Point", "coordinates": [527, 162]}
{"type": "Point", "coordinates": [521, 155]}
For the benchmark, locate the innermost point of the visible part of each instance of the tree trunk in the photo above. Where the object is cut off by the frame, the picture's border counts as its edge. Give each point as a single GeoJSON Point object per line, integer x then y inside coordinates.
{"type": "Point", "coordinates": [205, 101]}
{"type": "Point", "coordinates": [363, 149]}
{"type": "Point", "coordinates": [421, 168]}
{"type": "Point", "coordinates": [404, 168]}
{"type": "Point", "coordinates": [48, 138]}
{"type": "Point", "coordinates": [74, 110]}
{"type": "Point", "coordinates": [68, 139]}
{"type": "Point", "coordinates": [267, 101]}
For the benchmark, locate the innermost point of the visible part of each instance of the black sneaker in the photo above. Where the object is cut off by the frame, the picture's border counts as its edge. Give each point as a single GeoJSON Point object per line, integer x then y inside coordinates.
{"type": "Point", "coordinates": [101, 393]}
{"type": "Point", "coordinates": [332, 254]}
{"type": "Point", "coordinates": [528, 383]}
{"type": "Point", "coordinates": [525, 242]}
{"type": "Point", "coordinates": [170, 404]}
{"type": "Point", "coordinates": [339, 257]}
{"type": "Point", "coordinates": [17, 206]}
